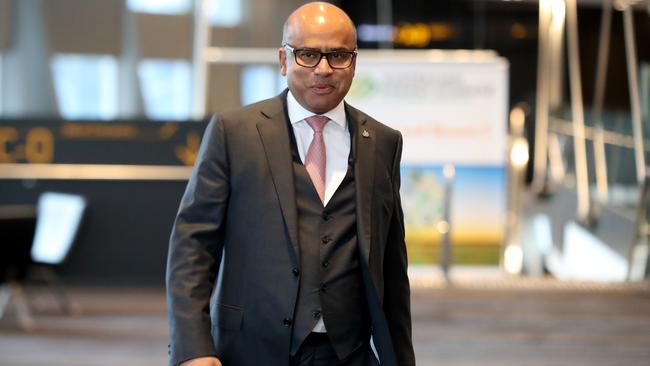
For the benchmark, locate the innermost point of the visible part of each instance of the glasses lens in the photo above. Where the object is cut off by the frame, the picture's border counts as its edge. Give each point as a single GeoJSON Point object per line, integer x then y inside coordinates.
{"type": "Point", "coordinates": [308, 58]}
{"type": "Point", "coordinates": [336, 59]}
{"type": "Point", "coordinates": [340, 59]}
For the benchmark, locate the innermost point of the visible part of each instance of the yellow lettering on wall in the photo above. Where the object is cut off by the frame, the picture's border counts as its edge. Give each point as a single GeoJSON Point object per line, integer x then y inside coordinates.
{"type": "Point", "coordinates": [413, 35]}
{"type": "Point", "coordinates": [187, 153]}
{"type": "Point", "coordinates": [39, 147]}
{"type": "Point", "coordinates": [422, 34]}
{"type": "Point", "coordinates": [7, 135]}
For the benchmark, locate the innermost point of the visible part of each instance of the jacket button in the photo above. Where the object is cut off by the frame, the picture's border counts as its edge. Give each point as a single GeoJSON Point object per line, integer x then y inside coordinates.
{"type": "Point", "coordinates": [326, 216]}
{"type": "Point", "coordinates": [326, 264]}
{"type": "Point", "coordinates": [325, 239]}
{"type": "Point", "coordinates": [296, 272]}
{"type": "Point", "coordinates": [286, 322]}
{"type": "Point", "coordinates": [323, 288]}
{"type": "Point", "coordinates": [316, 314]}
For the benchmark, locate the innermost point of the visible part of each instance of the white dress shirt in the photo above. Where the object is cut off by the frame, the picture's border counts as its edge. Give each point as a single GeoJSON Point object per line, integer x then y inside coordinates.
{"type": "Point", "coordinates": [337, 149]}
{"type": "Point", "coordinates": [335, 134]}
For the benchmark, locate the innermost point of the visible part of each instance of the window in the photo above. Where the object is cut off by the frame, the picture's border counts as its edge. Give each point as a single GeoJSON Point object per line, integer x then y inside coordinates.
{"type": "Point", "coordinates": [160, 6]}
{"type": "Point", "coordinates": [166, 88]}
{"type": "Point", "coordinates": [224, 13]}
{"type": "Point", "coordinates": [260, 82]}
{"type": "Point", "coordinates": [85, 85]}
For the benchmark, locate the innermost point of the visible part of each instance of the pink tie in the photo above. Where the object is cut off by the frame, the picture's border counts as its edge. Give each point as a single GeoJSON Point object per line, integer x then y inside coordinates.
{"type": "Point", "coordinates": [316, 158]}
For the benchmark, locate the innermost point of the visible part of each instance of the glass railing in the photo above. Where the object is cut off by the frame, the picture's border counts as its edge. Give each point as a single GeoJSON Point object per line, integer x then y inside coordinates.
{"type": "Point", "coordinates": [639, 256]}
{"type": "Point", "coordinates": [597, 158]}
{"type": "Point", "coordinates": [622, 187]}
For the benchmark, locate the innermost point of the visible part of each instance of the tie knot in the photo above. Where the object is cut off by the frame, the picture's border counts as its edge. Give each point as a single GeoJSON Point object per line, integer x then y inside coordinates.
{"type": "Point", "coordinates": [317, 123]}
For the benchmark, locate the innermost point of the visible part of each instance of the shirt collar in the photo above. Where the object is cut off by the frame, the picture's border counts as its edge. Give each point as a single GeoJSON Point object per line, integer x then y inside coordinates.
{"type": "Point", "coordinates": [298, 113]}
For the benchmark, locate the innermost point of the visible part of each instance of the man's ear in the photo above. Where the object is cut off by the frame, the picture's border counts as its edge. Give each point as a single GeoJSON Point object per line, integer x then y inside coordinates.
{"type": "Point", "coordinates": [282, 56]}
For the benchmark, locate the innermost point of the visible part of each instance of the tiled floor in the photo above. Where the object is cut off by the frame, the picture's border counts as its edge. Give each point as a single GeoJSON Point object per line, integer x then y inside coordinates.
{"type": "Point", "coordinates": [483, 320]}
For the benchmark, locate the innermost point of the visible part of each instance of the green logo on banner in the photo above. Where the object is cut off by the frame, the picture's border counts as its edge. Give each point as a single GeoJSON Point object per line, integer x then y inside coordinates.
{"type": "Point", "coordinates": [362, 87]}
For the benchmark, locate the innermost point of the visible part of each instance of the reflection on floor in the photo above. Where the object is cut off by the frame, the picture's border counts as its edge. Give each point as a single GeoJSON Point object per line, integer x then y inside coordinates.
{"type": "Point", "coordinates": [484, 320]}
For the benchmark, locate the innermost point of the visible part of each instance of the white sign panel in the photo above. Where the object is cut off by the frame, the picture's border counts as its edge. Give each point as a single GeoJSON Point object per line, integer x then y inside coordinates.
{"type": "Point", "coordinates": [448, 111]}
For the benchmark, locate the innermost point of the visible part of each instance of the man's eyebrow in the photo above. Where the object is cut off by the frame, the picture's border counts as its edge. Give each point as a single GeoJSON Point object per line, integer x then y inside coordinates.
{"type": "Point", "coordinates": [327, 50]}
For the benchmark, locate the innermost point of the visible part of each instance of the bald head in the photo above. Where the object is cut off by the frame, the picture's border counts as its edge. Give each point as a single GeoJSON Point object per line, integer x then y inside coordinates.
{"type": "Point", "coordinates": [318, 29]}
{"type": "Point", "coordinates": [315, 15]}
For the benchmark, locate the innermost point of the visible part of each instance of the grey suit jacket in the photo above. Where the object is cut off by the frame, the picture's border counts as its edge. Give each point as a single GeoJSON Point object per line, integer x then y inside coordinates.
{"type": "Point", "coordinates": [233, 254]}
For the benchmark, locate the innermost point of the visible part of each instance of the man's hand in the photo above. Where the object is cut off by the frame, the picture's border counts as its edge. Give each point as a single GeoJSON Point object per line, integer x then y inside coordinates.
{"type": "Point", "coordinates": [202, 361]}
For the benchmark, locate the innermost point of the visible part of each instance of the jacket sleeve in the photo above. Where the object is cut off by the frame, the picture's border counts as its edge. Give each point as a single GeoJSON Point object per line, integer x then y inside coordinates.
{"type": "Point", "coordinates": [196, 247]}
{"type": "Point", "coordinates": [397, 302]}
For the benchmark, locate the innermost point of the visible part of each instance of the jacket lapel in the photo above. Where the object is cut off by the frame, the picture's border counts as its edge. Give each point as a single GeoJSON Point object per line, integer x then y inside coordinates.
{"type": "Point", "coordinates": [363, 147]}
{"type": "Point", "coordinates": [274, 134]}
{"type": "Point", "coordinates": [273, 131]}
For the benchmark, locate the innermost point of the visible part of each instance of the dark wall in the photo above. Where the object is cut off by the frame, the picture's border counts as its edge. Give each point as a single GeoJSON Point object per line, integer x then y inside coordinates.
{"type": "Point", "coordinates": [510, 28]}
{"type": "Point", "coordinates": [124, 235]}
{"type": "Point", "coordinates": [616, 92]}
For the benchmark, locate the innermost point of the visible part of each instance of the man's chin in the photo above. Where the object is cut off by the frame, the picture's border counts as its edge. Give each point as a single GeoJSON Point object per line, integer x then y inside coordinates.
{"type": "Point", "coordinates": [320, 108]}
{"type": "Point", "coordinates": [319, 104]}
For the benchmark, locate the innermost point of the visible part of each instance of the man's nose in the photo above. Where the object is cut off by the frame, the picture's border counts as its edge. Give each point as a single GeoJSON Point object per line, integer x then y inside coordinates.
{"type": "Point", "coordinates": [323, 67]}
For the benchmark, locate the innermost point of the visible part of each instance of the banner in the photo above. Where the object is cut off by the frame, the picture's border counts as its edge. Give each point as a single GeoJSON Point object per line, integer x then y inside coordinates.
{"type": "Point", "coordinates": [450, 110]}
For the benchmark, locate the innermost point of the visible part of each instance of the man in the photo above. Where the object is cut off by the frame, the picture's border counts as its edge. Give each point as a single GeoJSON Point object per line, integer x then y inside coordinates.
{"type": "Point", "coordinates": [288, 247]}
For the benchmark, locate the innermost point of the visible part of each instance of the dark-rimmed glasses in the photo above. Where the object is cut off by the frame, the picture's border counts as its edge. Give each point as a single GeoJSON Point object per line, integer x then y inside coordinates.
{"type": "Point", "coordinates": [308, 57]}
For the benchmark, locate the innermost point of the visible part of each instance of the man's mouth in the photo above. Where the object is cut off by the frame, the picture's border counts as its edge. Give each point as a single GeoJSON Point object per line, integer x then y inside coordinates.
{"type": "Point", "coordinates": [322, 88]}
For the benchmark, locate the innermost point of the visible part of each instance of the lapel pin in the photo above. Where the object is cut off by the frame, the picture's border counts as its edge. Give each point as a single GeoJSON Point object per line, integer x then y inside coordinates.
{"type": "Point", "coordinates": [365, 134]}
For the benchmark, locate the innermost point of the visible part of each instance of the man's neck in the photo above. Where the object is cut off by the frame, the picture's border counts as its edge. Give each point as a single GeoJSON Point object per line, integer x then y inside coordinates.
{"type": "Point", "coordinates": [298, 113]}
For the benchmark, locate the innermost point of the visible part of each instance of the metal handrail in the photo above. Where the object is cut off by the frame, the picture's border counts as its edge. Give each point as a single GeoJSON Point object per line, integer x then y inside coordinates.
{"type": "Point", "coordinates": [635, 99]}
{"type": "Point", "coordinates": [538, 184]}
{"type": "Point", "coordinates": [639, 254]}
{"type": "Point", "coordinates": [565, 127]}
{"type": "Point", "coordinates": [577, 111]}
{"type": "Point", "coordinates": [600, 158]}
{"type": "Point", "coordinates": [586, 211]}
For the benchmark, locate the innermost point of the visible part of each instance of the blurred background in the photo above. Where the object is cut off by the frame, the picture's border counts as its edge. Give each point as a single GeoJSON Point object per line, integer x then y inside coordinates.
{"type": "Point", "coordinates": [524, 176]}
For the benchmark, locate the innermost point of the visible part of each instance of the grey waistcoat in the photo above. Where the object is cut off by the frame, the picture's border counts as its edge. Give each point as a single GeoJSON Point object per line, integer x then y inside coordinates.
{"type": "Point", "coordinates": [331, 283]}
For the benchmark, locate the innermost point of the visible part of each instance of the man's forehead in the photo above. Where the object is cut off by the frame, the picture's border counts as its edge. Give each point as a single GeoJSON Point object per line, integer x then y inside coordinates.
{"type": "Point", "coordinates": [324, 40]}
{"type": "Point", "coordinates": [324, 49]}
{"type": "Point", "coordinates": [302, 29]}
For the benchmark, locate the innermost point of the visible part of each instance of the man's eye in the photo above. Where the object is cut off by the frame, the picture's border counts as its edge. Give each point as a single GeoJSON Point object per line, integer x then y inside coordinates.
{"type": "Point", "coordinates": [338, 55]}
{"type": "Point", "coordinates": [308, 54]}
